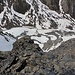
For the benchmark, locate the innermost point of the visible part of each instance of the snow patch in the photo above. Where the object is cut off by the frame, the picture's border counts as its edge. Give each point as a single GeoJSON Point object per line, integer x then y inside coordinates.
{"type": "Point", "coordinates": [6, 45]}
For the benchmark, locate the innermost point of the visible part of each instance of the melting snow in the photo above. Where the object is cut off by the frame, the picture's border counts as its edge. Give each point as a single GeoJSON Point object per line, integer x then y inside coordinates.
{"type": "Point", "coordinates": [41, 39]}
{"type": "Point", "coordinates": [19, 30]}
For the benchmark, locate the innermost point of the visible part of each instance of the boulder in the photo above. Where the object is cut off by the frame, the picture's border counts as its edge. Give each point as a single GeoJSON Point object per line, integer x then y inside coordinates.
{"type": "Point", "coordinates": [21, 6]}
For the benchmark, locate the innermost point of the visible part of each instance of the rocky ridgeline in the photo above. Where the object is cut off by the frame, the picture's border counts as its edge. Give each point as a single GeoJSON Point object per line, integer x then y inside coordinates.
{"type": "Point", "coordinates": [21, 6]}
{"type": "Point", "coordinates": [27, 58]}
{"type": "Point", "coordinates": [8, 20]}
{"type": "Point", "coordinates": [68, 6]}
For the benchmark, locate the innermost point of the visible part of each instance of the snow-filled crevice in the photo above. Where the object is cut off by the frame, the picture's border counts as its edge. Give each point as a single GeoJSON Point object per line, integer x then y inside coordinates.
{"type": "Point", "coordinates": [60, 6]}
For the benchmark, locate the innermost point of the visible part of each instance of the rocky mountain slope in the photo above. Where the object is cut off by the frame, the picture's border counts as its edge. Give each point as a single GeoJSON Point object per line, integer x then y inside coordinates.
{"type": "Point", "coordinates": [48, 22]}
{"type": "Point", "coordinates": [27, 58]}
{"type": "Point", "coordinates": [37, 37]}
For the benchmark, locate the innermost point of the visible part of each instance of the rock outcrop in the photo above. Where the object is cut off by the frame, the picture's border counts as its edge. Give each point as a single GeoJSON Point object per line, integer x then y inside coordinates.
{"type": "Point", "coordinates": [52, 4]}
{"type": "Point", "coordinates": [21, 6]}
{"type": "Point", "coordinates": [10, 19]}
{"type": "Point", "coordinates": [27, 58]}
{"type": "Point", "coordinates": [69, 7]}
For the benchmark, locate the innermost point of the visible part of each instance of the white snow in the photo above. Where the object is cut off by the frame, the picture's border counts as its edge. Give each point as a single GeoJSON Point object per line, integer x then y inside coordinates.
{"type": "Point", "coordinates": [2, 14]}
{"type": "Point", "coordinates": [6, 45]}
{"type": "Point", "coordinates": [19, 30]}
{"type": "Point", "coordinates": [68, 37]}
{"type": "Point", "coordinates": [52, 37]}
{"type": "Point", "coordinates": [41, 39]}
{"type": "Point", "coordinates": [63, 23]}
{"type": "Point", "coordinates": [40, 45]}
{"type": "Point", "coordinates": [60, 6]}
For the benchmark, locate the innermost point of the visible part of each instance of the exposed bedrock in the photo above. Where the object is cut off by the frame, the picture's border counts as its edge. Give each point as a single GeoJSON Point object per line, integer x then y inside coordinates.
{"type": "Point", "coordinates": [52, 4]}
{"type": "Point", "coordinates": [27, 58]}
{"type": "Point", "coordinates": [21, 6]}
{"type": "Point", "coordinates": [69, 7]}
{"type": "Point", "coordinates": [1, 6]}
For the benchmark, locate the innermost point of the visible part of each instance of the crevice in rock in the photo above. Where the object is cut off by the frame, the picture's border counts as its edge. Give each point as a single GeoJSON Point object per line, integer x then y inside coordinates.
{"type": "Point", "coordinates": [22, 66]}
{"type": "Point", "coordinates": [2, 58]}
{"type": "Point", "coordinates": [12, 63]}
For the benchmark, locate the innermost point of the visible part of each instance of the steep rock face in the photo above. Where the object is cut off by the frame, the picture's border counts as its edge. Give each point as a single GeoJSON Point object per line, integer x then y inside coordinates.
{"type": "Point", "coordinates": [52, 4]}
{"type": "Point", "coordinates": [27, 58]}
{"type": "Point", "coordinates": [21, 6]}
{"type": "Point", "coordinates": [9, 20]}
{"type": "Point", "coordinates": [51, 25]}
{"type": "Point", "coordinates": [69, 7]}
{"type": "Point", "coordinates": [1, 6]}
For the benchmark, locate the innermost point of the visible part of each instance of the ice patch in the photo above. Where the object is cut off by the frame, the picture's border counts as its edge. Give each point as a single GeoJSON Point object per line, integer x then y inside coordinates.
{"type": "Point", "coordinates": [19, 30]}
{"type": "Point", "coordinates": [6, 45]}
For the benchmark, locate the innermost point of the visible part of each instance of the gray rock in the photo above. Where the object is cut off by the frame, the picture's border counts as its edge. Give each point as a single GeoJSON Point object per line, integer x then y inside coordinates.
{"type": "Point", "coordinates": [69, 7]}
{"type": "Point", "coordinates": [21, 6]}
{"type": "Point", "coordinates": [1, 6]}
{"type": "Point", "coordinates": [27, 58]}
{"type": "Point", "coordinates": [52, 4]}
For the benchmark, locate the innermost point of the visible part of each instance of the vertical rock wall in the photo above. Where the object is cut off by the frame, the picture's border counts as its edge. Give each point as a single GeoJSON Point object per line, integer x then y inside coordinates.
{"type": "Point", "coordinates": [68, 6]}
